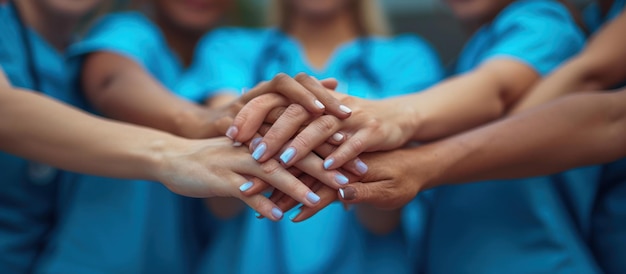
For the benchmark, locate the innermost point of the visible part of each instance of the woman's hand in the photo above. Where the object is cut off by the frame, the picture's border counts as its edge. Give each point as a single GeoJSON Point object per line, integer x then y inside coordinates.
{"type": "Point", "coordinates": [373, 126]}
{"type": "Point", "coordinates": [214, 168]}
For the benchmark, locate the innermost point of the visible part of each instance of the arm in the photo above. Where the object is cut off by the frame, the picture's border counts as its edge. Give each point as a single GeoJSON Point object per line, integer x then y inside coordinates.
{"type": "Point", "coordinates": [575, 131]}
{"type": "Point", "coordinates": [600, 66]}
{"type": "Point", "coordinates": [123, 90]}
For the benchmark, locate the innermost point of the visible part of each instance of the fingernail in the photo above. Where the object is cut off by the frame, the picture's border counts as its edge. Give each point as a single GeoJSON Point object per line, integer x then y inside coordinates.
{"type": "Point", "coordinates": [341, 179]}
{"type": "Point", "coordinates": [348, 193]}
{"type": "Point", "coordinates": [288, 155]}
{"type": "Point", "coordinates": [232, 132]}
{"type": "Point", "coordinates": [361, 167]}
{"type": "Point", "coordinates": [259, 151]}
{"type": "Point", "coordinates": [237, 144]}
{"type": "Point", "coordinates": [246, 186]}
{"type": "Point", "coordinates": [312, 197]}
{"type": "Point", "coordinates": [329, 162]}
{"type": "Point", "coordinates": [337, 137]}
{"type": "Point", "coordinates": [244, 90]}
{"type": "Point", "coordinates": [294, 214]}
{"type": "Point", "coordinates": [255, 142]}
{"type": "Point", "coordinates": [277, 213]}
{"type": "Point", "coordinates": [258, 215]}
{"type": "Point", "coordinates": [319, 104]}
{"type": "Point", "coordinates": [345, 109]}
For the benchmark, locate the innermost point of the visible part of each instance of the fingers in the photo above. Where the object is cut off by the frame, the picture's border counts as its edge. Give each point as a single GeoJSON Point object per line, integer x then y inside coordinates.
{"type": "Point", "coordinates": [333, 105]}
{"type": "Point", "coordinates": [349, 150]}
{"type": "Point", "coordinates": [330, 83]}
{"type": "Point", "coordinates": [258, 202]}
{"type": "Point", "coordinates": [379, 194]}
{"type": "Point", "coordinates": [311, 164]}
{"type": "Point", "coordinates": [355, 166]}
{"type": "Point", "coordinates": [284, 129]}
{"type": "Point", "coordinates": [312, 136]}
{"type": "Point", "coordinates": [286, 203]}
{"type": "Point", "coordinates": [275, 174]}
{"type": "Point", "coordinates": [252, 115]}
{"type": "Point", "coordinates": [327, 196]}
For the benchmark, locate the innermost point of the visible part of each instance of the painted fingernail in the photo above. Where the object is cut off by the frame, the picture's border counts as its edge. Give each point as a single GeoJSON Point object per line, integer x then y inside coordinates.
{"type": "Point", "coordinates": [348, 193]}
{"type": "Point", "coordinates": [237, 144]}
{"type": "Point", "coordinates": [294, 214]}
{"type": "Point", "coordinates": [246, 186]}
{"type": "Point", "coordinates": [259, 151]}
{"type": "Point", "coordinates": [319, 104]}
{"type": "Point", "coordinates": [328, 162]}
{"type": "Point", "coordinates": [337, 137]}
{"type": "Point", "coordinates": [341, 179]}
{"type": "Point", "coordinates": [345, 109]}
{"type": "Point", "coordinates": [258, 215]}
{"type": "Point", "coordinates": [232, 132]}
{"type": "Point", "coordinates": [342, 194]}
{"type": "Point", "coordinates": [288, 155]}
{"type": "Point", "coordinates": [312, 197]}
{"type": "Point", "coordinates": [277, 213]}
{"type": "Point", "coordinates": [255, 142]}
{"type": "Point", "coordinates": [361, 167]}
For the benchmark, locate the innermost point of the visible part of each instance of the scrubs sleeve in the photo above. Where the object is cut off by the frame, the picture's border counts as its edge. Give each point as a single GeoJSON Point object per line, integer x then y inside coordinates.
{"type": "Point", "coordinates": [541, 34]}
{"type": "Point", "coordinates": [409, 64]}
{"type": "Point", "coordinates": [129, 34]}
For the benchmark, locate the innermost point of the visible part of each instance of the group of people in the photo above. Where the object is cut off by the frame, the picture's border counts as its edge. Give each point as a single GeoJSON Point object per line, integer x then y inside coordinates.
{"type": "Point", "coordinates": [322, 144]}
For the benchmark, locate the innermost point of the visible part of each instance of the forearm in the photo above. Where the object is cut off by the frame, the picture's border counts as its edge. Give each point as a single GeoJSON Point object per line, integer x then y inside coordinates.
{"type": "Point", "coordinates": [575, 131]}
{"type": "Point", "coordinates": [122, 90]}
{"type": "Point", "coordinates": [44, 130]}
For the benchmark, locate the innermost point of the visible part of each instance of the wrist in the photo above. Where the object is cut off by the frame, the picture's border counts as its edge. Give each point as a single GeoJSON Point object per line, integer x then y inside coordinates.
{"type": "Point", "coordinates": [159, 156]}
{"type": "Point", "coordinates": [195, 123]}
{"type": "Point", "coordinates": [405, 116]}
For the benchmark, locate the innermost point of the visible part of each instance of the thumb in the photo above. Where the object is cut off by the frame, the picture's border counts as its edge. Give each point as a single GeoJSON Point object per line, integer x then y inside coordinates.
{"type": "Point", "coordinates": [372, 193]}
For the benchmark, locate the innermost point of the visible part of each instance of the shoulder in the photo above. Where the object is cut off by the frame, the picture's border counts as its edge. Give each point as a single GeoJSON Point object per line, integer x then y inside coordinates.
{"type": "Point", "coordinates": [124, 23]}
{"type": "Point", "coordinates": [533, 13]}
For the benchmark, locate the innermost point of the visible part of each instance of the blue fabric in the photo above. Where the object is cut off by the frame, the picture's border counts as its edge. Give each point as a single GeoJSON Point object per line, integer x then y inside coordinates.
{"type": "Point", "coordinates": [534, 225]}
{"type": "Point", "coordinates": [400, 65]}
{"type": "Point", "coordinates": [28, 197]}
{"type": "Point", "coordinates": [519, 32]}
{"type": "Point", "coordinates": [126, 226]}
{"type": "Point", "coordinates": [332, 241]}
{"type": "Point", "coordinates": [593, 16]}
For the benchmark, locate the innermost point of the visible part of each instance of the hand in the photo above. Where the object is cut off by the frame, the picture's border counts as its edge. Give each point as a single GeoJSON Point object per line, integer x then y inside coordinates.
{"type": "Point", "coordinates": [214, 168]}
{"type": "Point", "coordinates": [373, 126]}
{"type": "Point", "coordinates": [303, 90]}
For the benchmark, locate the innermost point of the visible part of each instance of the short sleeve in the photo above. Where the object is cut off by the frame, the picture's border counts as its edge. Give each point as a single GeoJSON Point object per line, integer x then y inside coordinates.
{"type": "Point", "coordinates": [408, 64]}
{"type": "Point", "coordinates": [541, 34]}
{"type": "Point", "coordinates": [225, 62]}
{"type": "Point", "coordinates": [129, 34]}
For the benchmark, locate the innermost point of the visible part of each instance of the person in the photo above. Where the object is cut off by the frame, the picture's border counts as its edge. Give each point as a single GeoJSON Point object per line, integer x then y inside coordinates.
{"type": "Point", "coordinates": [347, 40]}
{"type": "Point", "coordinates": [481, 93]}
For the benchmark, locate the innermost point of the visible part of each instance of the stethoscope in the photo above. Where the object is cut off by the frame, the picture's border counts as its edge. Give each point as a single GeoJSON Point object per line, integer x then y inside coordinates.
{"type": "Point", "coordinates": [37, 173]}
{"type": "Point", "coordinates": [357, 67]}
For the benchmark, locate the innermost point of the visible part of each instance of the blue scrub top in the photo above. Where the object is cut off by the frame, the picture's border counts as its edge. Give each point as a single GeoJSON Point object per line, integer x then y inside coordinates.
{"type": "Point", "coordinates": [28, 191]}
{"type": "Point", "coordinates": [534, 225]}
{"type": "Point", "coordinates": [333, 241]}
{"type": "Point", "coordinates": [389, 67]}
{"type": "Point", "coordinates": [126, 226]}
{"type": "Point", "coordinates": [593, 16]}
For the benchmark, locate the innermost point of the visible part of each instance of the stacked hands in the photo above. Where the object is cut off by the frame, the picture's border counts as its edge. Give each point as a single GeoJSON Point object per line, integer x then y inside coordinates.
{"type": "Point", "coordinates": [306, 143]}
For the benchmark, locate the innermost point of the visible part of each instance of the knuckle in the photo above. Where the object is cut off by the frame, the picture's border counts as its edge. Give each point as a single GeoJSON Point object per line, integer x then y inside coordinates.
{"type": "Point", "coordinates": [294, 111]}
{"type": "Point", "coordinates": [302, 77]}
{"type": "Point", "coordinates": [326, 123]}
{"type": "Point", "coordinates": [270, 167]}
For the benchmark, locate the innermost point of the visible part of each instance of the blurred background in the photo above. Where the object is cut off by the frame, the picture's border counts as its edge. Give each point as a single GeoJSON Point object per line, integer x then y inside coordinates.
{"type": "Point", "coordinates": [427, 18]}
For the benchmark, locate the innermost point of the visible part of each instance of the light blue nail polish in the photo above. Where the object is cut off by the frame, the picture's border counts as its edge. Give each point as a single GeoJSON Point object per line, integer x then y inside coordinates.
{"type": "Point", "coordinates": [259, 151]}
{"type": "Point", "coordinates": [256, 141]}
{"type": "Point", "coordinates": [288, 155]}
{"type": "Point", "coordinates": [312, 197]}
{"type": "Point", "coordinates": [329, 162]}
{"type": "Point", "coordinates": [294, 214]}
{"type": "Point", "coordinates": [341, 179]}
{"type": "Point", "coordinates": [361, 167]}
{"type": "Point", "coordinates": [258, 215]}
{"type": "Point", "coordinates": [277, 213]}
{"type": "Point", "coordinates": [246, 186]}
